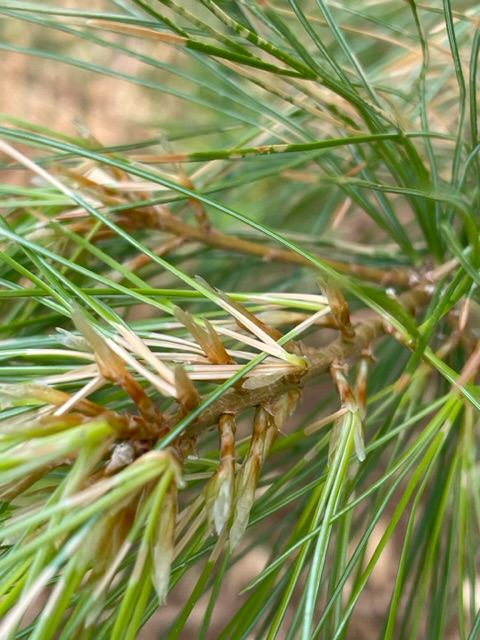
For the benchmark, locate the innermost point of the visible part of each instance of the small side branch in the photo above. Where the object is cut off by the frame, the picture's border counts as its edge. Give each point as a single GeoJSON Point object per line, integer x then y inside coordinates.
{"type": "Point", "coordinates": [369, 326]}
{"type": "Point", "coordinates": [216, 239]}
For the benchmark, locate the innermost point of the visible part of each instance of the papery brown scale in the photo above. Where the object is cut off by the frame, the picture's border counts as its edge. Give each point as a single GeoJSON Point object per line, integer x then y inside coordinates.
{"type": "Point", "coordinates": [108, 534]}
{"type": "Point", "coordinates": [164, 545]}
{"type": "Point", "coordinates": [247, 478]}
{"type": "Point", "coordinates": [221, 354]}
{"type": "Point", "coordinates": [360, 384]}
{"type": "Point", "coordinates": [269, 430]}
{"type": "Point", "coordinates": [361, 387]}
{"type": "Point", "coordinates": [339, 370]}
{"type": "Point", "coordinates": [220, 490]}
{"type": "Point", "coordinates": [207, 338]}
{"type": "Point", "coordinates": [296, 377]}
{"type": "Point", "coordinates": [260, 425]}
{"type": "Point", "coordinates": [335, 437]}
{"type": "Point", "coordinates": [186, 445]}
{"type": "Point", "coordinates": [270, 437]}
{"type": "Point", "coordinates": [283, 406]}
{"type": "Point", "coordinates": [140, 398]}
{"type": "Point", "coordinates": [140, 429]}
{"type": "Point", "coordinates": [187, 395]}
{"type": "Point", "coordinates": [112, 368]}
{"type": "Point", "coordinates": [339, 307]}
{"type": "Point", "coordinates": [219, 495]}
{"type": "Point", "coordinates": [227, 428]}
{"type": "Point", "coordinates": [245, 496]}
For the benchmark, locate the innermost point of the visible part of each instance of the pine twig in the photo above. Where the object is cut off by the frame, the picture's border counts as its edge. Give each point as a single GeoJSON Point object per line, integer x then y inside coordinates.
{"type": "Point", "coordinates": [395, 277]}
{"type": "Point", "coordinates": [369, 326]}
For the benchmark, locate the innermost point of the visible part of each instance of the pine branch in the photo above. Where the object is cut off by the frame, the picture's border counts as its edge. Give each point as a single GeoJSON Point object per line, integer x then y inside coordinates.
{"type": "Point", "coordinates": [211, 237]}
{"type": "Point", "coordinates": [369, 326]}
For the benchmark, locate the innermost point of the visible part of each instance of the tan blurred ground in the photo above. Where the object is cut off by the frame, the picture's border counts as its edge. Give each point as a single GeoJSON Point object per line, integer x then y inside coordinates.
{"type": "Point", "coordinates": [59, 96]}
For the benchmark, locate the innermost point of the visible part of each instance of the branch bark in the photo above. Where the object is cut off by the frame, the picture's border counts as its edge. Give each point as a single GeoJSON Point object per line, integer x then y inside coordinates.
{"type": "Point", "coordinates": [395, 277]}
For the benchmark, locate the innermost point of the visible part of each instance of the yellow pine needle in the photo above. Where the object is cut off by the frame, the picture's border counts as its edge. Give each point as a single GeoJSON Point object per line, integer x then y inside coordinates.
{"type": "Point", "coordinates": [137, 31]}
{"type": "Point", "coordinates": [244, 317]}
{"type": "Point", "coordinates": [80, 396]}
{"type": "Point", "coordinates": [274, 349]}
{"type": "Point", "coordinates": [207, 338]}
{"type": "Point", "coordinates": [164, 387]}
{"type": "Point", "coordinates": [320, 424]}
{"type": "Point", "coordinates": [139, 347]}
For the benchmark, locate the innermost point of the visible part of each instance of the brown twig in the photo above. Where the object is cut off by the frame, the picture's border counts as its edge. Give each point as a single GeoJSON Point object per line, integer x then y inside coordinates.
{"type": "Point", "coordinates": [159, 217]}
{"type": "Point", "coordinates": [210, 237]}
